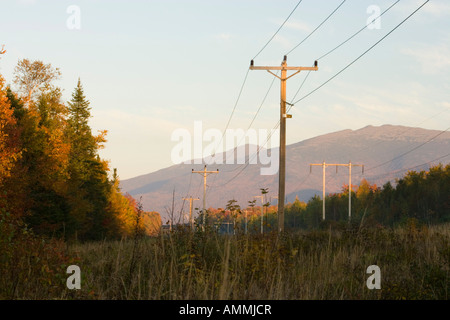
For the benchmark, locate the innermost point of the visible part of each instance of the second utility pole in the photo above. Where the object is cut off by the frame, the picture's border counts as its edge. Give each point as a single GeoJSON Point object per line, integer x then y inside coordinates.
{"type": "Point", "coordinates": [262, 212]}
{"type": "Point", "coordinates": [205, 174]}
{"type": "Point", "coordinates": [191, 221]}
{"type": "Point", "coordinates": [349, 165]}
{"type": "Point", "coordinates": [282, 162]}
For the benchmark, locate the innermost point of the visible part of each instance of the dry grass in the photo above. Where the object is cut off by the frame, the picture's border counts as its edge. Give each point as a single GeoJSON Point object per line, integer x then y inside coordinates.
{"type": "Point", "coordinates": [414, 263]}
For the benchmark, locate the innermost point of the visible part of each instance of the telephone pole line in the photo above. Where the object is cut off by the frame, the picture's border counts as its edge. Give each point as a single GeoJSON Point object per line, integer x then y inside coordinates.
{"type": "Point", "coordinates": [349, 165]}
{"type": "Point", "coordinates": [191, 221]}
{"type": "Point", "coordinates": [205, 173]}
{"type": "Point", "coordinates": [282, 161]}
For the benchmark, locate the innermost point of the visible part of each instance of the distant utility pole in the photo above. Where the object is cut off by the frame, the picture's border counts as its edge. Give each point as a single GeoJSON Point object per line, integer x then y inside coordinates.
{"type": "Point", "coordinates": [349, 165]}
{"type": "Point", "coordinates": [205, 173]}
{"type": "Point", "coordinates": [245, 211]}
{"type": "Point", "coordinates": [191, 221]}
{"type": "Point", "coordinates": [262, 212]}
{"type": "Point", "coordinates": [282, 163]}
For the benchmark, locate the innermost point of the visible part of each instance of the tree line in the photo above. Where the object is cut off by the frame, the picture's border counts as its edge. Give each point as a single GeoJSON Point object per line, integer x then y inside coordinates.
{"type": "Point", "coordinates": [52, 178]}
{"type": "Point", "coordinates": [422, 197]}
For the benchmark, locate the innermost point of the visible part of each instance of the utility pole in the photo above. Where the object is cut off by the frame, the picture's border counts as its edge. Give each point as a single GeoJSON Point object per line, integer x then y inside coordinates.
{"type": "Point", "coordinates": [205, 173]}
{"type": "Point", "coordinates": [191, 221]}
{"type": "Point", "coordinates": [262, 212]}
{"type": "Point", "coordinates": [245, 211]}
{"type": "Point", "coordinates": [282, 161]}
{"type": "Point", "coordinates": [349, 165]}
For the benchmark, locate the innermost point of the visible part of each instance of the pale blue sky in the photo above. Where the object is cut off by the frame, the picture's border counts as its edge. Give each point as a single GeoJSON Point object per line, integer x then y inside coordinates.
{"type": "Point", "coordinates": [150, 67]}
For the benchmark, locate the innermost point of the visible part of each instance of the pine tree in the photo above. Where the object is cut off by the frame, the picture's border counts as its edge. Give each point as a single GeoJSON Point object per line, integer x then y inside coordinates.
{"type": "Point", "coordinates": [83, 143]}
{"type": "Point", "coordinates": [88, 174]}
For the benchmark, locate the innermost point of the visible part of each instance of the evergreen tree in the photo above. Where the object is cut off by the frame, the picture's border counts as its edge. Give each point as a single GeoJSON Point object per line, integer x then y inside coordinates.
{"type": "Point", "coordinates": [89, 187]}
{"type": "Point", "coordinates": [83, 143]}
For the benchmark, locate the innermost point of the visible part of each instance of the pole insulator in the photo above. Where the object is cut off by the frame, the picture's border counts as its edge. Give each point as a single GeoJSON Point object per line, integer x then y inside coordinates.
{"type": "Point", "coordinates": [315, 63]}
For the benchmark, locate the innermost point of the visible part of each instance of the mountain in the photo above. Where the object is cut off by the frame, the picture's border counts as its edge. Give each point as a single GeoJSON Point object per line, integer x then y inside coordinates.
{"type": "Point", "coordinates": [386, 152]}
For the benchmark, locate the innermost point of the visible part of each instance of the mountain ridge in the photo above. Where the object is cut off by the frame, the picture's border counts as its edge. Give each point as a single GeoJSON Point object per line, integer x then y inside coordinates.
{"type": "Point", "coordinates": [370, 145]}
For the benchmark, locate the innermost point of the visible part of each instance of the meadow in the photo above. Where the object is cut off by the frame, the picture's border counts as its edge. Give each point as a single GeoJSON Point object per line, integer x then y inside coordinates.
{"type": "Point", "coordinates": [325, 264]}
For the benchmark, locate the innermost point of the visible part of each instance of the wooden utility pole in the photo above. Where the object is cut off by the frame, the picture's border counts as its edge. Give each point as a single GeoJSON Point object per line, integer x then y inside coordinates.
{"type": "Point", "coordinates": [191, 221]}
{"type": "Point", "coordinates": [262, 212]}
{"type": "Point", "coordinates": [282, 162]}
{"type": "Point", "coordinates": [205, 173]}
{"type": "Point", "coordinates": [349, 165]}
{"type": "Point", "coordinates": [245, 211]}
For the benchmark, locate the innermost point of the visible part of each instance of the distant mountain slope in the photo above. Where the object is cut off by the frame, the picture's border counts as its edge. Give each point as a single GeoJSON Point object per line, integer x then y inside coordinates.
{"type": "Point", "coordinates": [372, 146]}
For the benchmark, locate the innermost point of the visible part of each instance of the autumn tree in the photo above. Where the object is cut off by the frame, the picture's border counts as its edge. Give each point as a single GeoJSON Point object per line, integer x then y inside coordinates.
{"type": "Point", "coordinates": [44, 163]}
{"type": "Point", "coordinates": [33, 77]}
{"type": "Point", "coordinates": [9, 148]}
{"type": "Point", "coordinates": [39, 184]}
{"type": "Point", "coordinates": [122, 208]}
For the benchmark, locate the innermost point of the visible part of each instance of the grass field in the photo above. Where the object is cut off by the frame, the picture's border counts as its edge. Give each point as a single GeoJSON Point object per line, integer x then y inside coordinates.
{"type": "Point", "coordinates": [322, 264]}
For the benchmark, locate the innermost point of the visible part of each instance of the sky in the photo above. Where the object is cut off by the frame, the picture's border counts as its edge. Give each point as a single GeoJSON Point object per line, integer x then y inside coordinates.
{"type": "Point", "coordinates": [151, 67]}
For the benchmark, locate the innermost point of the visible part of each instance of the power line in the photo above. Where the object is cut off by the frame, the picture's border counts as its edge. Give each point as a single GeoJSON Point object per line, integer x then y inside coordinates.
{"type": "Point", "coordinates": [267, 140]}
{"type": "Point", "coordinates": [399, 134]}
{"type": "Point", "coordinates": [317, 27]}
{"type": "Point", "coordinates": [234, 108]}
{"type": "Point", "coordinates": [245, 78]}
{"type": "Point", "coordinates": [276, 32]}
{"type": "Point", "coordinates": [335, 48]}
{"type": "Point", "coordinates": [359, 31]}
{"type": "Point", "coordinates": [405, 153]}
{"type": "Point", "coordinates": [265, 97]}
{"type": "Point", "coordinates": [334, 76]}
{"type": "Point", "coordinates": [276, 126]}
{"type": "Point", "coordinates": [411, 168]}
{"type": "Point", "coordinates": [301, 86]}
{"type": "Point", "coordinates": [268, 137]}
{"type": "Point", "coordinates": [254, 117]}
{"type": "Point", "coordinates": [360, 56]}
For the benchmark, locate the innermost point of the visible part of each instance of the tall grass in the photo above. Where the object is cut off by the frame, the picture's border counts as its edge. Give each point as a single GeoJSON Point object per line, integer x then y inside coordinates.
{"type": "Point", "coordinates": [321, 264]}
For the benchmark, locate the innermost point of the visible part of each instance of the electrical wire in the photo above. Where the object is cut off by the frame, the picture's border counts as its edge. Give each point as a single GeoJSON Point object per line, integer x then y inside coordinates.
{"type": "Point", "coordinates": [287, 53]}
{"type": "Point", "coordinates": [409, 151]}
{"type": "Point", "coordinates": [361, 55]}
{"type": "Point", "coordinates": [245, 78]}
{"type": "Point", "coordinates": [276, 32]}
{"type": "Point", "coordinates": [307, 75]}
{"type": "Point", "coordinates": [334, 76]}
{"type": "Point", "coordinates": [234, 109]}
{"type": "Point", "coordinates": [399, 134]}
{"type": "Point", "coordinates": [356, 33]}
{"type": "Point", "coordinates": [254, 117]}
{"type": "Point", "coordinates": [329, 16]}
{"type": "Point", "coordinates": [411, 168]}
